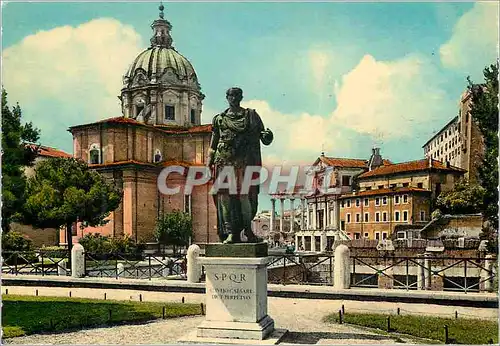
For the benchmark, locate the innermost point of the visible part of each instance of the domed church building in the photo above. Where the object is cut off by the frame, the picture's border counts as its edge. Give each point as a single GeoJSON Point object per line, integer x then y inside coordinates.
{"type": "Point", "coordinates": [161, 102]}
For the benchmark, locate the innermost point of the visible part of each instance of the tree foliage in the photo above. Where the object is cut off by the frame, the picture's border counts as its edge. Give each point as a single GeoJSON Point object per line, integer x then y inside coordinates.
{"type": "Point", "coordinates": [465, 198]}
{"type": "Point", "coordinates": [16, 155]}
{"type": "Point", "coordinates": [63, 191]}
{"type": "Point", "coordinates": [174, 228]}
{"type": "Point", "coordinates": [484, 112]}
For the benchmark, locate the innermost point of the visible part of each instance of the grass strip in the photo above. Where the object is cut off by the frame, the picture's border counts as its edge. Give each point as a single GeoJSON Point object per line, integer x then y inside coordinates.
{"type": "Point", "coordinates": [460, 331]}
{"type": "Point", "coordinates": [24, 315]}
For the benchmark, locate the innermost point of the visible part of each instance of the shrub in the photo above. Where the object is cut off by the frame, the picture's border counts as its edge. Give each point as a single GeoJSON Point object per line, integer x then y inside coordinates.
{"type": "Point", "coordinates": [54, 251]}
{"type": "Point", "coordinates": [103, 246]}
{"type": "Point", "coordinates": [16, 242]}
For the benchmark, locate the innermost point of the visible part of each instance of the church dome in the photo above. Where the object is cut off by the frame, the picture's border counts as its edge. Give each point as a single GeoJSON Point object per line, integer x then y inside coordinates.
{"type": "Point", "coordinates": [157, 61]}
{"type": "Point", "coordinates": [161, 63]}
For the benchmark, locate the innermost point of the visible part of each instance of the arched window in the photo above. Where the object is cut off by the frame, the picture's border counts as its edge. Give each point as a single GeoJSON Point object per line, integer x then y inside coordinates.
{"type": "Point", "coordinates": [94, 154]}
{"type": "Point", "coordinates": [157, 157]}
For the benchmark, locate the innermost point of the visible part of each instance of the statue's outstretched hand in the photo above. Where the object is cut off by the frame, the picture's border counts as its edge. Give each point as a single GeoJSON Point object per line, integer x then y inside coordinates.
{"type": "Point", "coordinates": [266, 136]}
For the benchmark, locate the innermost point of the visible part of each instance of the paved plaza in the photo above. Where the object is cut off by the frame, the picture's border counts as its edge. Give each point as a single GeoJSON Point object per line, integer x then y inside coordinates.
{"type": "Point", "coordinates": [302, 318]}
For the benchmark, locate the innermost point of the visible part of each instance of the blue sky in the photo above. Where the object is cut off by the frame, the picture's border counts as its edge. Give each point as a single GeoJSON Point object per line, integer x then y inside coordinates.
{"type": "Point", "coordinates": [341, 77]}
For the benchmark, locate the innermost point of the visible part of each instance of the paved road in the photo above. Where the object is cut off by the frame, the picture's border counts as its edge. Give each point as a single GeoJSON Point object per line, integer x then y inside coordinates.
{"type": "Point", "coordinates": [302, 317]}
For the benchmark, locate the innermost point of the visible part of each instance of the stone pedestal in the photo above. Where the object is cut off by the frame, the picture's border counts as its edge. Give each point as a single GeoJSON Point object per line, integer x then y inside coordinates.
{"type": "Point", "coordinates": [236, 293]}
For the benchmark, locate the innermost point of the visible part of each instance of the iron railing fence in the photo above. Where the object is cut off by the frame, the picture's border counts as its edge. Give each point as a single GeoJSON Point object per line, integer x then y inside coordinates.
{"type": "Point", "coordinates": [144, 266]}
{"type": "Point", "coordinates": [301, 269]}
{"type": "Point", "coordinates": [423, 272]}
{"type": "Point", "coordinates": [37, 262]}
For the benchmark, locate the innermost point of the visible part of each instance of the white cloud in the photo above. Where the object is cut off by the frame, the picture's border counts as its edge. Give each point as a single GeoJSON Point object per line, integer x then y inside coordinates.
{"type": "Point", "coordinates": [474, 42]}
{"type": "Point", "coordinates": [69, 75]}
{"type": "Point", "coordinates": [298, 138]}
{"type": "Point", "coordinates": [389, 99]}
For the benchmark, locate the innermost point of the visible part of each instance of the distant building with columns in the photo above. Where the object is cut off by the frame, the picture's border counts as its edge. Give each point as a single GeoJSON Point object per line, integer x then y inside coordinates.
{"type": "Point", "coordinates": [332, 178]}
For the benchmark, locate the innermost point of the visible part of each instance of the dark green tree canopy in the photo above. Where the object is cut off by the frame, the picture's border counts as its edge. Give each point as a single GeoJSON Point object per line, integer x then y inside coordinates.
{"type": "Point", "coordinates": [174, 228]}
{"type": "Point", "coordinates": [484, 111]}
{"type": "Point", "coordinates": [465, 198]}
{"type": "Point", "coordinates": [64, 191]}
{"type": "Point", "coordinates": [16, 155]}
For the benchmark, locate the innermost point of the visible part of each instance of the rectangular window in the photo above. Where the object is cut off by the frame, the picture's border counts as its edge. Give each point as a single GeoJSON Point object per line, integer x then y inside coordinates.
{"type": "Point", "coordinates": [401, 235]}
{"type": "Point", "coordinates": [357, 202]}
{"type": "Point", "coordinates": [348, 203]}
{"type": "Point", "coordinates": [368, 188]}
{"type": "Point", "coordinates": [169, 112]}
{"type": "Point", "coordinates": [342, 225]}
{"type": "Point", "coordinates": [405, 215]}
{"type": "Point", "coordinates": [377, 201]}
{"type": "Point", "coordinates": [377, 235]}
{"type": "Point", "coordinates": [367, 217]}
{"type": "Point", "coordinates": [406, 184]}
{"type": "Point", "coordinates": [396, 199]}
{"type": "Point", "coordinates": [384, 200]}
{"type": "Point", "coordinates": [366, 202]}
{"type": "Point", "coordinates": [193, 116]}
{"type": "Point", "coordinates": [381, 186]}
{"type": "Point", "coordinates": [396, 216]}
{"type": "Point", "coordinates": [384, 235]}
{"type": "Point", "coordinates": [366, 235]}
{"type": "Point", "coordinates": [405, 198]}
{"type": "Point", "coordinates": [358, 217]}
{"type": "Point", "coordinates": [187, 204]}
{"type": "Point", "coordinates": [348, 218]}
{"type": "Point", "coordinates": [420, 185]}
{"type": "Point", "coordinates": [346, 180]}
{"type": "Point", "coordinates": [422, 215]}
{"type": "Point", "coordinates": [342, 204]}
{"type": "Point", "coordinates": [384, 216]}
{"type": "Point", "coordinates": [357, 235]}
{"type": "Point", "coordinates": [392, 186]}
{"type": "Point", "coordinates": [377, 216]}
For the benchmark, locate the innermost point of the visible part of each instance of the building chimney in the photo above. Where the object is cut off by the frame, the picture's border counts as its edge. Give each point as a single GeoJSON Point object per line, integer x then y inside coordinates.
{"type": "Point", "coordinates": [375, 160]}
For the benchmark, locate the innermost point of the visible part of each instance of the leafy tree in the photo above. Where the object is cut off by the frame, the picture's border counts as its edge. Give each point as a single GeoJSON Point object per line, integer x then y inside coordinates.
{"type": "Point", "coordinates": [64, 191]}
{"type": "Point", "coordinates": [484, 111]}
{"type": "Point", "coordinates": [174, 228]}
{"type": "Point", "coordinates": [15, 157]}
{"type": "Point", "coordinates": [465, 198]}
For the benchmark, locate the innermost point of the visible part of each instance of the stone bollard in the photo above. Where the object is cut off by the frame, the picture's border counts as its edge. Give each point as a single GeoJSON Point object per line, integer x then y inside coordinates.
{"type": "Point", "coordinates": [61, 268]}
{"type": "Point", "coordinates": [487, 275]}
{"type": "Point", "coordinates": [193, 264]}
{"type": "Point", "coordinates": [120, 269]}
{"type": "Point", "coordinates": [342, 267]}
{"type": "Point", "coordinates": [420, 273]}
{"type": "Point", "coordinates": [77, 261]}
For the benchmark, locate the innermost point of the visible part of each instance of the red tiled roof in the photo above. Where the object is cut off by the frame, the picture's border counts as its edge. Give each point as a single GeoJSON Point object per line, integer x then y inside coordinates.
{"type": "Point", "coordinates": [48, 151]}
{"type": "Point", "coordinates": [351, 163]}
{"type": "Point", "coordinates": [178, 163]}
{"type": "Point", "coordinates": [182, 130]}
{"type": "Point", "coordinates": [411, 166]}
{"type": "Point", "coordinates": [118, 163]}
{"type": "Point", "coordinates": [384, 192]}
{"type": "Point", "coordinates": [150, 164]}
{"type": "Point", "coordinates": [171, 129]}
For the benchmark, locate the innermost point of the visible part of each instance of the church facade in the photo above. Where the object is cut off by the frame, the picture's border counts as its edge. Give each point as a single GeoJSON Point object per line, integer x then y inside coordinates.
{"type": "Point", "coordinates": [161, 102]}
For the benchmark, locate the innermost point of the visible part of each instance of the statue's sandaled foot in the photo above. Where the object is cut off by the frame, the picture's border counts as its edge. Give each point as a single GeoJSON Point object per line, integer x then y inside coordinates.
{"type": "Point", "coordinates": [231, 239]}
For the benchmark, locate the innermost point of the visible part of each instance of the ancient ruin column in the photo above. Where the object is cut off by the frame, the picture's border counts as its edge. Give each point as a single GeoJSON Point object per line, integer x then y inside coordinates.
{"type": "Point", "coordinates": [313, 221]}
{"type": "Point", "coordinates": [292, 215]}
{"type": "Point", "coordinates": [302, 213]}
{"type": "Point", "coordinates": [282, 216]}
{"type": "Point", "coordinates": [272, 219]}
{"type": "Point", "coordinates": [327, 216]}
